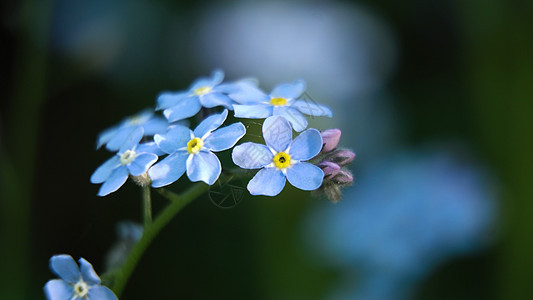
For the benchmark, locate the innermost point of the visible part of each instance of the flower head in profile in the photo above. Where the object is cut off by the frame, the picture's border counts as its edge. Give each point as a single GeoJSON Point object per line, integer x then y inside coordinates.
{"type": "Point", "coordinates": [281, 158]}
{"type": "Point", "coordinates": [115, 136]}
{"type": "Point", "coordinates": [77, 283]}
{"type": "Point", "coordinates": [192, 151]}
{"type": "Point", "coordinates": [282, 101]}
{"type": "Point", "coordinates": [131, 159]}
{"type": "Point", "coordinates": [204, 92]}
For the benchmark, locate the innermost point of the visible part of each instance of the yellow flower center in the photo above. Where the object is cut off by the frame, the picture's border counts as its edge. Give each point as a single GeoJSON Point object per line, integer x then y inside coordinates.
{"type": "Point", "coordinates": [282, 160]}
{"type": "Point", "coordinates": [127, 157]}
{"type": "Point", "coordinates": [278, 101]}
{"type": "Point", "coordinates": [81, 289]}
{"type": "Point", "coordinates": [194, 145]}
{"type": "Point", "coordinates": [202, 90]}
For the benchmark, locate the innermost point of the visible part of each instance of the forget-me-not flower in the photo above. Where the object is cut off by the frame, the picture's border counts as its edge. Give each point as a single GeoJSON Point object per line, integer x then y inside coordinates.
{"type": "Point", "coordinates": [204, 92]}
{"type": "Point", "coordinates": [281, 158]}
{"type": "Point", "coordinates": [130, 159]}
{"type": "Point", "coordinates": [282, 101]}
{"type": "Point", "coordinates": [192, 151]}
{"type": "Point", "coordinates": [76, 283]}
{"type": "Point", "coordinates": [115, 136]}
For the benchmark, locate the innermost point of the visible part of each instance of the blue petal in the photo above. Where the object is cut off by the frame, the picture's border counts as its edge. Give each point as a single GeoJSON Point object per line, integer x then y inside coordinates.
{"type": "Point", "coordinates": [149, 147]}
{"type": "Point", "coordinates": [225, 138]}
{"type": "Point", "coordinates": [251, 155]}
{"type": "Point", "coordinates": [210, 123]}
{"type": "Point", "coordinates": [65, 267]}
{"type": "Point", "coordinates": [58, 289]}
{"type": "Point", "coordinates": [155, 125]}
{"type": "Point", "coordinates": [105, 136]}
{"type": "Point", "coordinates": [176, 137]}
{"type": "Point", "coordinates": [297, 120]}
{"type": "Point", "coordinates": [268, 182]}
{"type": "Point", "coordinates": [216, 99]}
{"type": "Point", "coordinates": [167, 99]}
{"type": "Point", "coordinates": [203, 166]}
{"type": "Point", "coordinates": [247, 92]}
{"type": "Point", "coordinates": [305, 176]}
{"type": "Point", "coordinates": [307, 145]}
{"type": "Point", "coordinates": [183, 110]}
{"type": "Point", "coordinates": [119, 138]}
{"type": "Point", "coordinates": [114, 182]}
{"type": "Point", "coordinates": [104, 171]}
{"type": "Point", "coordinates": [216, 77]}
{"type": "Point", "coordinates": [310, 107]}
{"type": "Point", "coordinates": [169, 169]}
{"type": "Point", "coordinates": [277, 133]}
{"type": "Point", "coordinates": [132, 140]}
{"type": "Point", "coordinates": [87, 272]}
{"type": "Point", "coordinates": [256, 111]}
{"type": "Point", "coordinates": [141, 163]}
{"type": "Point", "coordinates": [289, 90]}
{"type": "Point", "coordinates": [101, 293]}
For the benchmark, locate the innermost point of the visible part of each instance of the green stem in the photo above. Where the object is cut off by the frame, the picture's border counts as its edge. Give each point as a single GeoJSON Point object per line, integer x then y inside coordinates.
{"type": "Point", "coordinates": [151, 231]}
{"type": "Point", "coordinates": [147, 206]}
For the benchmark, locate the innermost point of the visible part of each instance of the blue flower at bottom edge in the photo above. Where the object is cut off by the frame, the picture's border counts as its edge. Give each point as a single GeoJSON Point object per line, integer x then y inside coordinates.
{"type": "Point", "coordinates": [282, 158]}
{"type": "Point", "coordinates": [132, 158]}
{"type": "Point", "coordinates": [282, 101]}
{"type": "Point", "coordinates": [192, 151]}
{"type": "Point", "coordinates": [76, 282]}
{"type": "Point", "coordinates": [206, 92]}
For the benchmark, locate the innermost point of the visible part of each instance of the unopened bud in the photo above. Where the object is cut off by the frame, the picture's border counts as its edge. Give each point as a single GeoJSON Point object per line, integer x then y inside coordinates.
{"type": "Point", "coordinates": [330, 138]}
{"type": "Point", "coordinates": [330, 169]}
{"type": "Point", "coordinates": [343, 177]}
{"type": "Point", "coordinates": [342, 157]}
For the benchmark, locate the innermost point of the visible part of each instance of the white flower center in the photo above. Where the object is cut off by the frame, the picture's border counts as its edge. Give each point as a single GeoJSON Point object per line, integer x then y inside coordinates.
{"type": "Point", "coordinates": [127, 157]}
{"type": "Point", "coordinates": [81, 289]}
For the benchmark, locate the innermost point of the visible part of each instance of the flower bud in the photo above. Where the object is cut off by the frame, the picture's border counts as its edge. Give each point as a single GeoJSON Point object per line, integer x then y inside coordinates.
{"type": "Point", "coordinates": [330, 138]}
{"type": "Point", "coordinates": [330, 169]}
{"type": "Point", "coordinates": [343, 177]}
{"type": "Point", "coordinates": [342, 157]}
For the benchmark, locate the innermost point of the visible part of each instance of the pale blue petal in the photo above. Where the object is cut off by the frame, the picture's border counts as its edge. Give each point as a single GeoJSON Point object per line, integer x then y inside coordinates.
{"type": "Point", "coordinates": [169, 169]}
{"type": "Point", "coordinates": [307, 145]}
{"type": "Point", "coordinates": [310, 107]}
{"type": "Point", "coordinates": [141, 163]}
{"type": "Point", "coordinates": [289, 90]}
{"type": "Point", "coordinates": [251, 155]}
{"type": "Point", "coordinates": [268, 182]}
{"type": "Point", "coordinates": [132, 140]}
{"type": "Point", "coordinates": [101, 293]}
{"type": "Point", "coordinates": [105, 136]}
{"type": "Point", "coordinates": [237, 86]}
{"type": "Point", "coordinates": [65, 267]}
{"type": "Point", "coordinates": [277, 133]}
{"type": "Point", "coordinates": [247, 92]}
{"type": "Point", "coordinates": [255, 111]}
{"type": "Point", "coordinates": [87, 272]}
{"type": "Point", "coordinates": [168, 99]}
{"type": "Point", "coordinates": [183, 110]}
{"type": "Point", "coordinates": [104, 171]}
{"type": "Point", "coordinates": [119, 138]}
{"type": "Point", "coordinates": [305, 176]}
{"type": "Point", "coordinates": [150, 147]}
{"type": "Point", "coordinates": [114, 182]}
{"type": "Point", "coordinates": [204, 166]}
{"type": "Point", "coordinates": [216, 77]}
{"type": "Point", "coordinates": [155, 125]}
{"type": "Point", "coordinates": [216, 99]}
{"type": "Point", "coordinates": [296, 118]}
{"type": "Point", "coordinates": [58, 289]}
{"type": "Point", "coordinates": [210, 123]}
{"type": "Point", "coordinates": [175, 138]}
{"type": "Point", "coordinates": [225, 137]}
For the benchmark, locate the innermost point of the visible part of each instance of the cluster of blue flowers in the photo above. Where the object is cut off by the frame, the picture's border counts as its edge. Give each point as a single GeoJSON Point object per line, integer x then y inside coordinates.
{"type": "Point", "coordinates": [157, 151]}
{"type": "Point", "coordinates": [141, 140]}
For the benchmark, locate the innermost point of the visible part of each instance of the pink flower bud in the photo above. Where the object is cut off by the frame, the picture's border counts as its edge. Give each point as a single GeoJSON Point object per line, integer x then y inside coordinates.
{"type": "Point", "coordinates": [342, 157]}
{"type": "Point", "coordinates": [343, 177]}
{"type": "Point", "coordinates": [330, 138]}
{"type": "Point", "coordinates": [330, 169]}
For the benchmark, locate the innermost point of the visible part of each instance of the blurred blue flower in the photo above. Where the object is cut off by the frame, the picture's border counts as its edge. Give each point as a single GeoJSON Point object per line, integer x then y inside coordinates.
{"type": "Point", "coordinates": [206, 92]}
{"type": "Point", "coordinates": [115, 136]}
{"type": "Point", "coordinates": [129, 160]}
{"type": "Point", "coordinates": [406, 215]}
{"type": "Point", "coordinates": [192, 151]}
{"type": "Point", "coordinates": [75, 284]}
{"type": "Point", "coordinates": [282, 101]}
{"type": "Point", "coordinates": [281, 158]}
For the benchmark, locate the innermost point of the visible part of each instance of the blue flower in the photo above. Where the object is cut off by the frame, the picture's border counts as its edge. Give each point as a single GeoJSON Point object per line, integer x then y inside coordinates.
{"type": "Point", "coordinates": [206, 92]}
{"type": "Point", "coordinates": [192, 151]}
{"type": "Point", "coordinates": [75, 283]}
{"type": "Point", "coordinates": [115, 136]}
{"type": "Point", "coordinates": [282, 101]}
{"type": "Point", "coordinates": [131, 159]}
{"type": "Point", "coordinates": [281, 158]}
